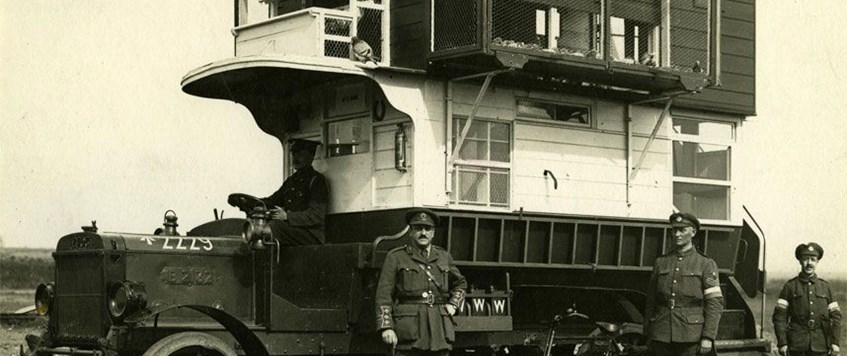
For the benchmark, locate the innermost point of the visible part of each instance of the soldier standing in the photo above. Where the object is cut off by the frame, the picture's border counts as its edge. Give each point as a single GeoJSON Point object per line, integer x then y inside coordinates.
{"type": "Point", "coordinates": [298, 208]}
{"type": "Point", "coordinates": [419, 290]}
{"type": "Point", "coordinates": [807, 319]}
{"type": "Point", "coordinates": [684, 299]}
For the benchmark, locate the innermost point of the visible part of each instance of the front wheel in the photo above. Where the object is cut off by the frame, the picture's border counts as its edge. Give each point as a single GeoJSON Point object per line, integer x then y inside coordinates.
{"type": "Point", "coordinates": [190, 343]}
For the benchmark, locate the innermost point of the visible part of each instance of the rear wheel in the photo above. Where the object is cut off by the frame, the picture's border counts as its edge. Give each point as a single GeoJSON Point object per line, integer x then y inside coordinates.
{"type": "Point", "coordinates": [190, 343]}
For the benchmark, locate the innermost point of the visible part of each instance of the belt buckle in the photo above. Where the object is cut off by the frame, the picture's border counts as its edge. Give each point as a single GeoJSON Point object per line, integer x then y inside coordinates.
{"type": "Point", "coordinates": [811, 323]}
{"type": "Point", "coordinates": [429, 297]}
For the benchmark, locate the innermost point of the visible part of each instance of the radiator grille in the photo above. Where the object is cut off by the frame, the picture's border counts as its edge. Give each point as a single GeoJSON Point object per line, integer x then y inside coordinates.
{"type": "Point", "coordinates": [79, 304]}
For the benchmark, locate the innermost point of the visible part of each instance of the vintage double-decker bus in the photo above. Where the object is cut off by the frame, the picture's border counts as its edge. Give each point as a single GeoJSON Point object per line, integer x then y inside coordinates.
{"type": "Point", "coordinates": [554, 137]}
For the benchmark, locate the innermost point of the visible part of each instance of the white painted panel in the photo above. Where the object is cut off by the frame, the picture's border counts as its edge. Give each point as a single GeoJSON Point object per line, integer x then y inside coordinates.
{"type": "Point", "coordinates": [392, 197]}
{"type": "Point", "coordinates": [297, 35]}
{"type": "Point", "coordinates": [350, 182]}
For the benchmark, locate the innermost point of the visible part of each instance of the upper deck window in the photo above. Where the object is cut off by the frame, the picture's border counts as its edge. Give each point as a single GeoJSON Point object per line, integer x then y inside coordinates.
{"type": "Point", "coordinates": [573, 114]}
{"type": "Point", "coordinates": [702, 158]}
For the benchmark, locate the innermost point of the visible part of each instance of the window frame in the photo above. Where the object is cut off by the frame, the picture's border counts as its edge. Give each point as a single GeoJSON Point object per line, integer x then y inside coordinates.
{"type": "Point", "coordinates": [482, 165]}
{"type": "Point", "coordinates": [730, 143]}
{"type": "Point", "coordinates": [588, 104]}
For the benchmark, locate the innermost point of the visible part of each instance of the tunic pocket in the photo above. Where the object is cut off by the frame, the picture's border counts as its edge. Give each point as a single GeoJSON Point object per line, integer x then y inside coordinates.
{"type": "Point", "coordinates": [406, 324]}
{"type": "Point", "coordinates": [695, 318]}
{"type": "Point", "coordinates": [409, 280]}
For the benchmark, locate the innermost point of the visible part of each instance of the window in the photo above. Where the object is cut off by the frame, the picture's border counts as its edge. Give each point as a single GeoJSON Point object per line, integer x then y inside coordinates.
{"type": "Point", "coordinates": [483, 164]}
{"type": "Point", "coordinates": [702, 161]}
{"type": "Point", "coordinates": [567, 113]}
{"type": "Point", "coordinates": [348, 137]}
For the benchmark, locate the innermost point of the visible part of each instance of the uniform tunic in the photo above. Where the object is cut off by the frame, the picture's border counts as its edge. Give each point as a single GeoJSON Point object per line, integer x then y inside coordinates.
{"type": "Point", "coordinates": [404, 277]}
{"type": "Point", "coordinates": [807, 316]}
{"type": "Point", "coordinates": [304, 197]}
{"type": "Point", "coordinates": [684, 299]}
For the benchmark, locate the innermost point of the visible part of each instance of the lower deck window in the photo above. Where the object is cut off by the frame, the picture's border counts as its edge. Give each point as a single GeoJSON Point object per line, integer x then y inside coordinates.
{"type": "Point", "coordinates": [482, 171]}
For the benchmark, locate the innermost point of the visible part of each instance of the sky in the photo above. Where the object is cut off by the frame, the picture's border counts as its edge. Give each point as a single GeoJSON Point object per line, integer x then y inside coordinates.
{"type": "Point", "coordinates": [94, 125]}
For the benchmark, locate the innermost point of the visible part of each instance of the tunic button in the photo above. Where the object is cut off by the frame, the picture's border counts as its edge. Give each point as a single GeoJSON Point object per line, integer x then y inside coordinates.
{"type": "Point", "coordinates": [812, 313]}
{"type": "Point", "coordinates": [677, 268]}
{"type": "Point", "coordinates": [674, 281]}
{"type": "Point", "coordinates": [811, 302]}
{"type": "Point", "coordinates": [680, 258]}
{"type": "Point", "coordinates": [430, 279]}
{"type": "Point", "coordinates": [673, 294]}
{"type": "Point", "coordinates": [428, 267]}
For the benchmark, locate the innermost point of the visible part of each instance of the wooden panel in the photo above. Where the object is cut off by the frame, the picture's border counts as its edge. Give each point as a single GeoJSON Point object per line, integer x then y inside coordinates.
{"type": "Point", "coordinates": [653, 242]}
{"type": "Point", "coordinates": [737, 10]}
{"type": "Point", "coordinates": [586, 243]}
{"type": "Point", "coordinates": [607, 246]}
{"type": "Point", "coordinates": [737, 93]}
{"type": "Point", "coordinates": [631, 246]}
{"type": "Point", "coordinates": [562, 250]}
{"type": "Point", "coordinates": [488, 240]}
{"type": "Point", "coordinates": [738, 29]}
{"type": "Point", "coordinates": [738, 47]}
{"type": "Point", "coordinates": [537, 242]}
{"type": "Point", "coordinates": [513, 241]}
{"type": "Point", "coordinates": [461, 238]}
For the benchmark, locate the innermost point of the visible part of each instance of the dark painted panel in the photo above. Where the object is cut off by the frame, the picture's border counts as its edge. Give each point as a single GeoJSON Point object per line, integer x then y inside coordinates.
{"type": "Point", "coordinates": [738, 47]}
{"type": "Point", "coordinates": [738, 65]}
{"type": "Point", "coordinates": [737, 10]}
{"type": "Point", "coordinates": [738, 29]}
{"type": "Point", "coordinates": [738, 83]}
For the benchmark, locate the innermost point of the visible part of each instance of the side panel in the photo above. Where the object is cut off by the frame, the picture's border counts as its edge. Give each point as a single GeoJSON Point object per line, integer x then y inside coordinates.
{"type": "Point", "coordinates": [738, 57]}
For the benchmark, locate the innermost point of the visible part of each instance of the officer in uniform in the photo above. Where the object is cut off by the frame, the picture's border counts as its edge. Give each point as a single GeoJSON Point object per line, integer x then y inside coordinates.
{"type": "Point", "coordinates": [298, 208]}
{"type": "Point", "coordinates": [684, 299]}
{"type": "Point", "coordinates": [807, 319]}
{"type": "Point", "coordinates": [419, 290]}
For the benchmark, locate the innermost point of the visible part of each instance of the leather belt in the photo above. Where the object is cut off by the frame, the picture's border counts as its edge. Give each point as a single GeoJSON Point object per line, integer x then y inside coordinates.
{"type": "Point", "coordinates": [430, 299]}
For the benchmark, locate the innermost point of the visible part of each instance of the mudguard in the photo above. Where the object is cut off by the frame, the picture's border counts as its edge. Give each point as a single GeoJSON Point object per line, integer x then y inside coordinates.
{"type": "Point", "coordinates": [248, 341]}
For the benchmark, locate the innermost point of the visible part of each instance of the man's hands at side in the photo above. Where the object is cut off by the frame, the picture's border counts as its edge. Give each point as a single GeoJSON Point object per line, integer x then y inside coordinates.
{"type": "Point", "coordinates": [451, 309]}
{"type": "Point", "coordinates": [389, 337]}
{"type": "Point", "coordinates": [706, 346]}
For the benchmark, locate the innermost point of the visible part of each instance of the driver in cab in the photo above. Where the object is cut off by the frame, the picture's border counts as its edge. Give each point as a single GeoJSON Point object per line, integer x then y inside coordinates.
{"type": "Point", "coordinates": [298, 208]}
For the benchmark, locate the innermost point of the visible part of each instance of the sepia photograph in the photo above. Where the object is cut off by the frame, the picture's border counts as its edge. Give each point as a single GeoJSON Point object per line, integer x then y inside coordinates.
{"type": "Point", "coordinates": [423, 177]}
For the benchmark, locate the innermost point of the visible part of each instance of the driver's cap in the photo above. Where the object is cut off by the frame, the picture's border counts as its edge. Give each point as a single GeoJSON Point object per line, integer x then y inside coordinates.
{"type": "Point", "coordinates": [299, 144]}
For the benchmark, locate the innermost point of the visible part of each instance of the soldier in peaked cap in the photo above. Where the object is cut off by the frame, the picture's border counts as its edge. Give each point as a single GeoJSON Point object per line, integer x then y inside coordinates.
{"type": "Point", "coordinates": [684, 299]}
{"type": "Point", "coordinates": [298, 208]}
{"type": "Point", "coordinates": [419, 290]}
{"type": "Point", "coordinates": [807, 318]}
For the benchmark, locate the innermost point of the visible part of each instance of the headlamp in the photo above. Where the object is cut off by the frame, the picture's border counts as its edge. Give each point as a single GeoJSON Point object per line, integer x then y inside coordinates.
{"type": "Point", "coordinates": [125, 298]}
{"type": "Point", "coordinates": [44, 298]}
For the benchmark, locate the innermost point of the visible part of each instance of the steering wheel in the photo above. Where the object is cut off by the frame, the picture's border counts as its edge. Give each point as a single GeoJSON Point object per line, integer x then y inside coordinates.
{"type": "Point", "coordinates": [244, 202]}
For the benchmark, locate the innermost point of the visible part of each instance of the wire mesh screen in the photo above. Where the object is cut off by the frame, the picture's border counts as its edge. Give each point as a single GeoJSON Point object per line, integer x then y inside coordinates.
{"type": "Point", "coordinates": [570, 27]}
{"type": "Point", "coordinates": [689, 35]}
{"type": "Point", "coordinates": [369, 29]}
{"type": "Point", "coordinates": [634, 29]}
{"type": "Point", "coordinates": [334, 26]}
{"type": "Point", "coordinates": [455, 24]}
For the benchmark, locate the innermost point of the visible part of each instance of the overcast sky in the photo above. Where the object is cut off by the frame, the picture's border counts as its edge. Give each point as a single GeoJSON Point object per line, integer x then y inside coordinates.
{"type": "Point", "coordinates": [93, 124]}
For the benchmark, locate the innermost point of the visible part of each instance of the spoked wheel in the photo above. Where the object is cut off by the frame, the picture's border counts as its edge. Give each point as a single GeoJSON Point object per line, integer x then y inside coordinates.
{"type": "Point", "coordinates": [190, 343]}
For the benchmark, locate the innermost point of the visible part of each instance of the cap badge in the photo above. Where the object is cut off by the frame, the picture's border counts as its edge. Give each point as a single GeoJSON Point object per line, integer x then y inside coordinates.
{"type": "Point", "coordinates": [811, 248]}
{"type": "Point", "coordinates": [678, 218]}
{"type": "Point", "coordinates": [423, 216]}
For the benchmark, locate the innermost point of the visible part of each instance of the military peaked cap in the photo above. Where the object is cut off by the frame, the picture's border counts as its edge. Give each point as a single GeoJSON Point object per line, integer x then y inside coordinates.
{"type": "Point", "coordinates": [299, 144]}
{"type": "Point", "coordinates": [809, 249]}
{"type": "Point", "coordinates": [684, 219]}
{"type": "Point", "coordinates": [421, 216]}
